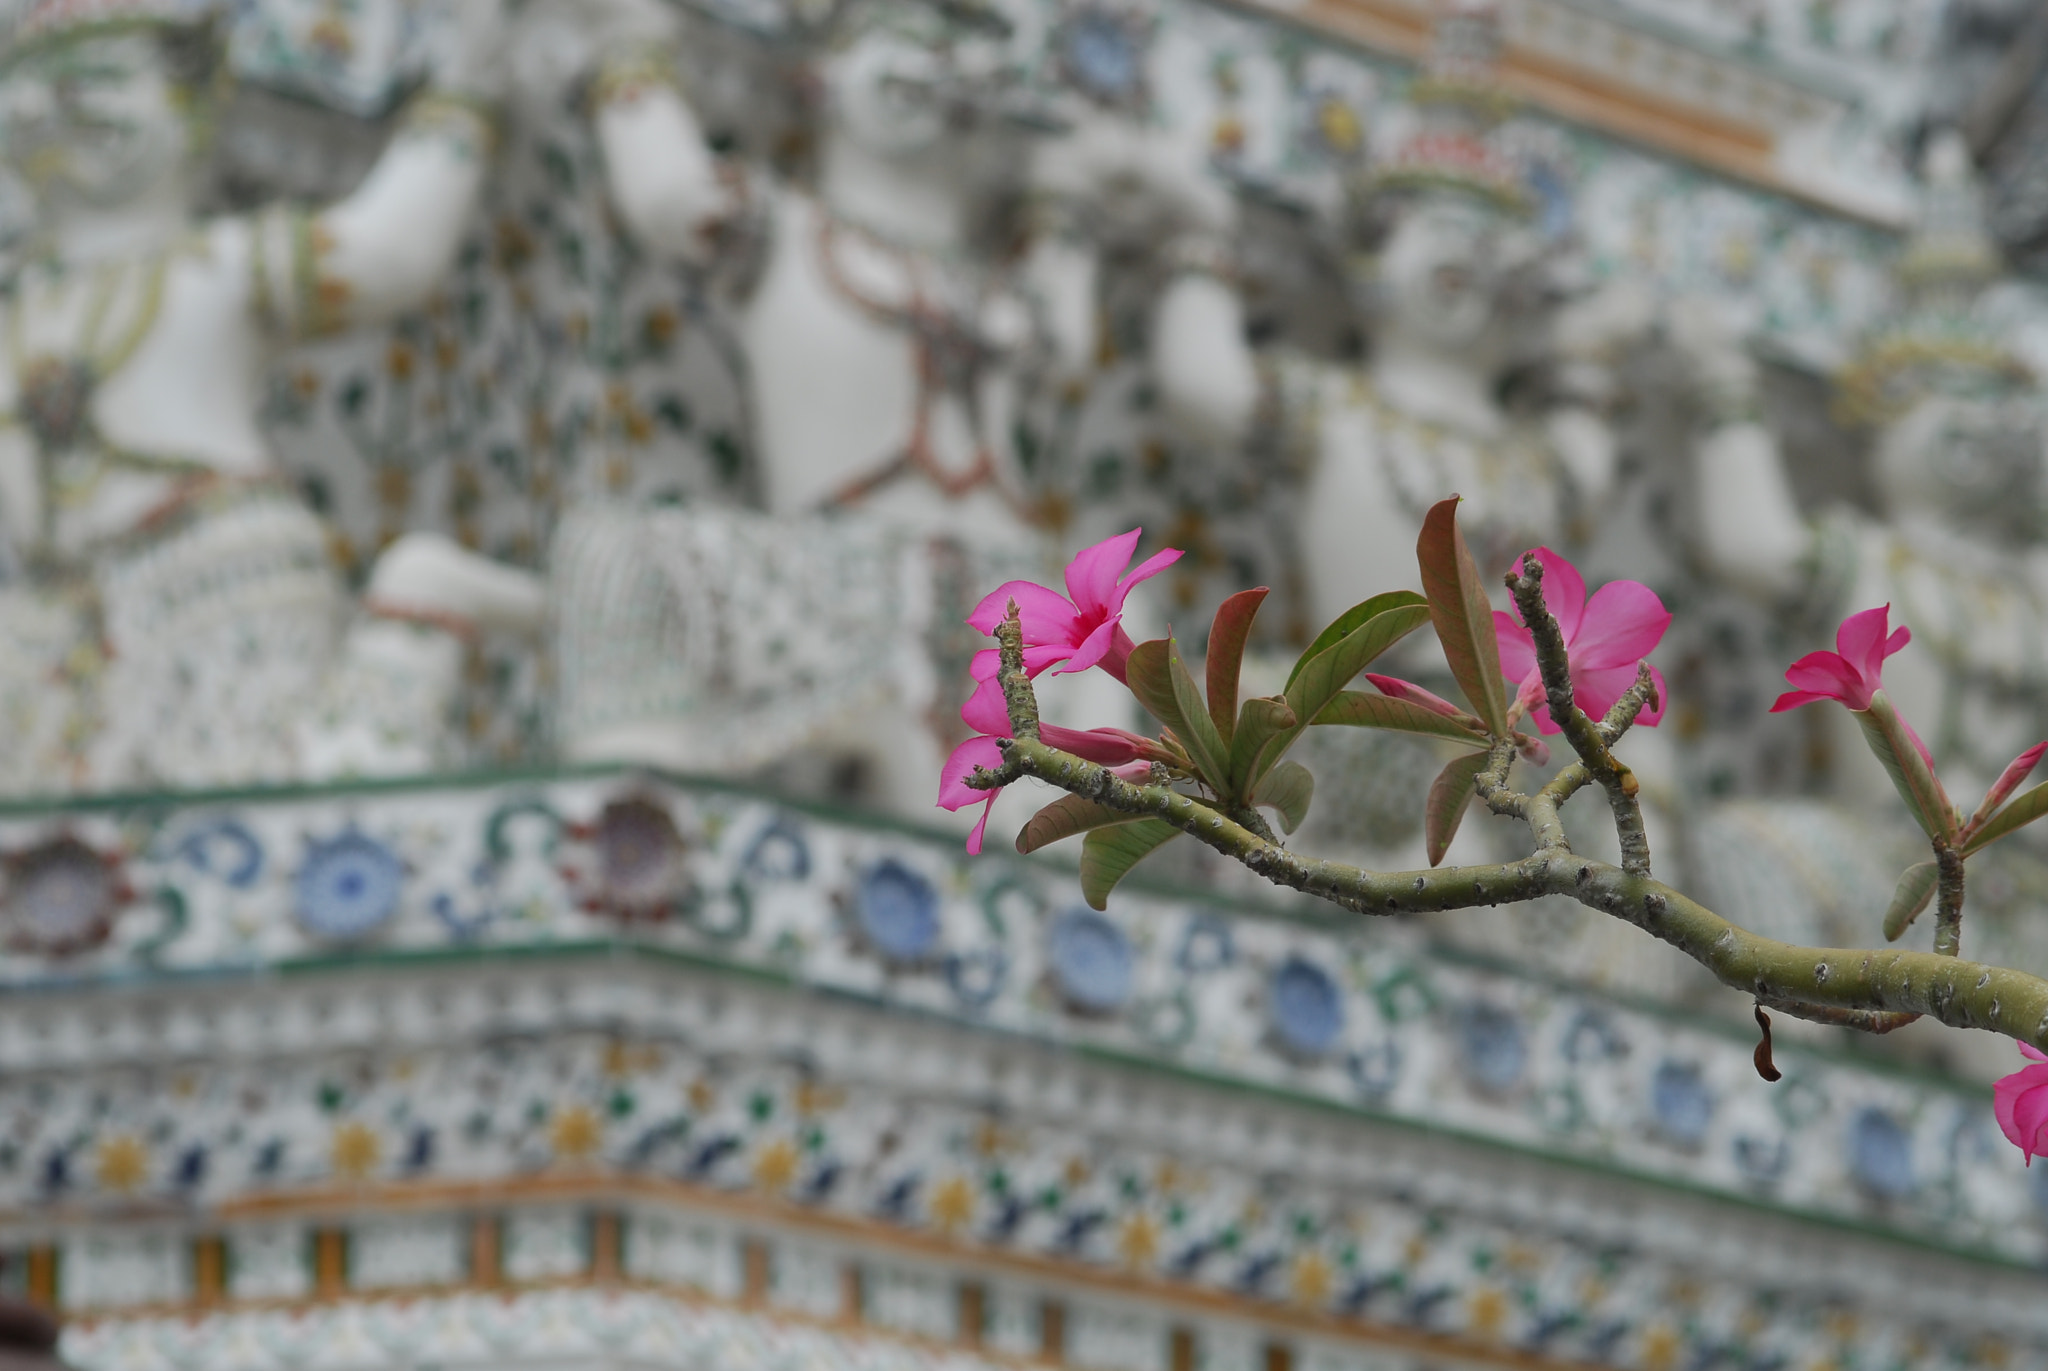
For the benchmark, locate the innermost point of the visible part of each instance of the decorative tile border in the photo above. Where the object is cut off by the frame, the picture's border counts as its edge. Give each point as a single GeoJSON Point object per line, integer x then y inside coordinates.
{"type": "Point", "coordinates": [1370, 1020]}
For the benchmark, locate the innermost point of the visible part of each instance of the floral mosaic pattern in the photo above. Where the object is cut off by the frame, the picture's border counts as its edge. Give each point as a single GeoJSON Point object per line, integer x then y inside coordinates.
{"type": "Point", "coordinates": [1371, 1020]}
{"type": "Point", "coordinates": [918, 1158]}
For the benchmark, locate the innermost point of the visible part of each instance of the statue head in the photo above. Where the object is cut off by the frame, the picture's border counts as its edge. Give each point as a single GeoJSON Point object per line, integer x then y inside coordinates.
{"type": "Point", "coordinates": [1453, 203]}
{"type": "Point", "coordinates": [906, 77]}
{"type": "Point", "coordinates": [1961, 428]}
{"type": "Point", "coordinates": [1444, 273]}
{"type": "Point", "coordinates": [103, 103]}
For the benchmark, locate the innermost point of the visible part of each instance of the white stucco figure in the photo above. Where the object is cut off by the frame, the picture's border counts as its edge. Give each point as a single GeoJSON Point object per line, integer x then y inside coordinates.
{"type": "Point", "coordinates": [172, 615]}
{"type": "Point", "coordinates": [1455, 298]}
{"type": "Point", "coordinates": [1956, 548]}
{"type": "Point", "coordinates": [889, 350]}
{"type": "Point", "coordinates": [1958, 434]}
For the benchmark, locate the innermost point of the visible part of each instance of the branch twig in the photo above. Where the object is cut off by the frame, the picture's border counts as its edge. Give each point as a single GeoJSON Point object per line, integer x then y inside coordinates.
{"type": "Point", "coordinates": [1588, 739]}
{"type": "Point", "coordinates": [1855, 987]}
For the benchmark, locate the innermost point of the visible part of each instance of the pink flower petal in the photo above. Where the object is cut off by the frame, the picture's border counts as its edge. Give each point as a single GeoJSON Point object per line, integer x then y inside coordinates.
{"type": "Point", "coordinates": [2005, 1093]}
{"type": "Point", "coordinates": [1145, 571]}
{"type": "Point", "coordinates": [1517, 648]}
{"type": "Point", "coordinates": [1897, 642]}
{"type": "Point", "coordinates": [1564, 591]}
{"type": "Point", "coordinates": [1046, 615]}
{"type": "Point", "coordinates": [1830, 674]}
{"type": "Point", "coordinates": [1091, 576]}
{"type": "Point", "coordinates": [1093, 648]}
{"type": "Point", "coordinates": [1861, 641]}
{"type": "Point", "coordinates": [1398, 689]}
{"type": "Point", "coordinates": [1595, 691]}
{"type": "Point", "coordinates": [1623, 624]}
{"type": "Point", "coordinates": [2016, 771]}
{"type": "Point", "coordinates": [1108, 746]}
{"type": "Point", "coordinates": [2030, 1111]}
{"type": "Point", "coordinates": [986, 711]}
{"type": "Point", "coordinates": [987, 662]}
{"type": "Point", "coordinates": [1792, 699]}
{"type": "Point", "coordinates": [2029, 1050]}
{"type": "Point", "coordinates": [981, 826]}
{"type": "Point", "coordinates": [954, 792]}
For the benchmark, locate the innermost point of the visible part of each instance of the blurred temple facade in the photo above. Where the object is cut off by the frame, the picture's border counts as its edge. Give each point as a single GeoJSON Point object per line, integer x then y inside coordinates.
{"type": "Point", "coordinates": [488, 497]}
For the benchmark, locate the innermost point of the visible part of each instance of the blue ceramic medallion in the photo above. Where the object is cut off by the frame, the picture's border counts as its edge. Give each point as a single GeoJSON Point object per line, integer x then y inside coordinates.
{"type": "Point", "coordinates": [347, 887]}
{"type": "Point", "coordinates": [1101, 56]}
{"type": "Point", "coordinates": [1205, 946]}
{"type": "Point", "coordinates": [779, 854]}
{"type": "Point", "coordinates": [225, 849]}
{"type": "Point", "coordinates": [897, 913]}
{"type": "Point", "coordinates": [1306, 1008]}
{"type": "Point", "coordinates": [1092, 963]}
{"type": "Point", "coordinates": [1376, 1070]}
{"type": "Point", "coordinates": [1881, 1154]}
{"type": "Point", "coordinates": [1681, 1102]}
{"type": "Point", "coordinates": [1495, 1046]}
{"type": "Point", "coordinates": [976, 976]}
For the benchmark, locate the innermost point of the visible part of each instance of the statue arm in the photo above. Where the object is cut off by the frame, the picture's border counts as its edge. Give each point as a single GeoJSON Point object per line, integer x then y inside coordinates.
{"type": "Point", "coordinates": [663, 180]}
{"type": "Point", "coordinates": [1200, 360]}
{"type": "Point", "coordinates": [1751, 532]}
{"type": "Point", "coordinates": [386, 247]}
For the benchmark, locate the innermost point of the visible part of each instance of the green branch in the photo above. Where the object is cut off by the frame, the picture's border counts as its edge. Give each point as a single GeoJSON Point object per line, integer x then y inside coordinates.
{"type": "Point", "coordinates": [1873, 990]}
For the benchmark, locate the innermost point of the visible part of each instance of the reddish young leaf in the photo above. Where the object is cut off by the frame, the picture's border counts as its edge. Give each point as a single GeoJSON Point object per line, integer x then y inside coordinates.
{"type": "Point", "coordinates": [1365, 709]}
{"type": "Point", "coordinates": [1449, 794]}
{"type": "Point", "coordinates": [1259, 741]}
{"type": "Point", "coordinates": [1462, 614]}
{"type": "Point", "coordinates": [1150, 675]}
{"type": "Point", "coordinates": [1066, 816]}
{"type": "Point", "coordinates": [1203, 743]}
{"type": "Point", "coordinates": [1227, 636]}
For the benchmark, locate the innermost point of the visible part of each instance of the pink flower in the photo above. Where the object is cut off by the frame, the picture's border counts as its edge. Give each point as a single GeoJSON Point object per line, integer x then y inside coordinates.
{"type": "Point", "coordinates": [1396, 688]}
{"type": "Point", "coordinates": [1125, 753]}
{"type": "Point", "coordinates": [2021, 1103]}
{"type": "Point", "coordinates": [1084, 631]}
{"type": "Point", "coordinates": [1606, 638]}
{"type": "Point", "coordinates": [1854, 671]}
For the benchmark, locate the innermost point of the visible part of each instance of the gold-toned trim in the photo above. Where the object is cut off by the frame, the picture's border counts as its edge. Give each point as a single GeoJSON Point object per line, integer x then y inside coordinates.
{"type": "Point", "coordinates": [608, 1195]}
{"type": "Point", "coordinates": [1734, 147]}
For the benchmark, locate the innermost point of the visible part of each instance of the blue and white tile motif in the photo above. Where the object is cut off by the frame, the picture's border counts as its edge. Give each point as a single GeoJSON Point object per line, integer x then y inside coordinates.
{"type": "Point", "coordinates": [1369, 1018]}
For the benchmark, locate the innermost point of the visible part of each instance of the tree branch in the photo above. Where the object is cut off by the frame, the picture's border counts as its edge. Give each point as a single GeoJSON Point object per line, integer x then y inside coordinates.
{"type": "Point", "coordinates": [1873, 990]}
{"type": "Point", "coordinates": [1586, 737]}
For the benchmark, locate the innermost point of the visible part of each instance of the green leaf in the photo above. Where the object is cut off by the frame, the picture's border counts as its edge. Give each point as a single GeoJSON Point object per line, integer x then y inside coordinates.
{"type": "Point", "coordinates": [1915, 781]}
{"type": "Point", "coordinates": [1149, 673]}
{"type": "Point", "coordinates": [1227, 635]}
{"type": "Point", "coordinates": [1287, 788]}
{"type": "Point", "coordinates": [1066, 816]}
{"type": "Point", "coordinates": [1449, 794]}
{"type": "Point", "coordinates": [2027, 807]}
{"type": "Point", "coordinates": [1350, 620]}
{"type": "Point", "coordinates": [1204, 744]}
{"type": "Point", "coordinates": [1370, 709]}
{"type": "Point", "coordinates": [1915, 889]}
{"type": "Point", "coordinates": [1108, 854]}
{"type": "Point", "coordinates": [1264, 724]}
{"type": "Point", "coordinates": [1463, 616]}
{"type": "Point", "coordinates": [1331, 670]}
